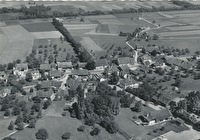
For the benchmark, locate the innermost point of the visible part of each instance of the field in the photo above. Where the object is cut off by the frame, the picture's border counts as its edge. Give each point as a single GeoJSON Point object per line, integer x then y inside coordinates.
{"type": "Point", "coordinates": [90, 45]}
{"type": "Point", "coordinates": [39, 27]}
{"type": "Point", "coordinates": [49, 34]}
{"type": "Point", "coordinates": [16, 43]}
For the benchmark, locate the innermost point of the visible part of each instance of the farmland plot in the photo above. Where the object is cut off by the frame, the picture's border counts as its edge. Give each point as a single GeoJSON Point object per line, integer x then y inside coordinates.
{"type": "Point", "coordinates": [39, 27]}
{"type": "Point", "coordinates": [110, 21]}
{"type": "Point", "coordinates": [50, 34]}
{"type": "Point", "coordinates": [90, 45]}
{"type": "Point", "coordinates": [180, 33]}
{"type": "Point", "coordinates": [16, 43]}
{"type": "Point", "coordinates": [183, 28]}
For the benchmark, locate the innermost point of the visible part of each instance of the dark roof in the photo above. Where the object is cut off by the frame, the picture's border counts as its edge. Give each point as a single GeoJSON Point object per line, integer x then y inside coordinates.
{"type": "Point", "coordinates": [159, 115]}
{"type": "Point", "coordinates": [124, 68]}
{"type": "Point", "coordinates": [45, 67]}
{"type": "Point", "coordinates": [82, 65]}
{"type": "Point", "coordinates": [63, 92]}
{"type": "Point", "coordinates": [72, 83]}
{"type": "Point", "coordinates": [101, 62]}
{"type": "Point", "coordinates": [80, 72]}
{"type": "Point", "coordinates": [65, 65]}
{"type": "Point", "coordinates": [44, 94]}
{"type": "Point", "coordinates": [45, 84]}
{"type": "Point", "coordinates": [55, 73]}
{"type": "Point", "coordinates": [56, 84]}
{"type": "Point", "coordinates": [22, 66]}
{"type": "Point", "coordinates": [126, 60]}
{"type": "Point", "coordinates": [178, 62]}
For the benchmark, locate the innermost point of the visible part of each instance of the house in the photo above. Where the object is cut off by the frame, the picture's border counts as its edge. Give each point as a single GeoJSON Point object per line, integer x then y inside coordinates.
{"type": "Point", "coordinates": [4, 92]}
{"type": "Point", "coordinates": [35, 74]}
{"type": "Point", "coordinates": [151, 49]}
{"type": "Point", "coordinates": [45, 85]}
{"type": "Point", "coordinates": [62, 93]}
{"type": "Point", "coordinates": [112, 68]}
{"type": "Point", "coordinates": [45, 94]}
{"type": "Point", "coordinates": [3, 76]}
{"type": "Point", "coordinates": [162, 100]}
{"type": "Point", "coordinates": [72, 84]}
{"type": "Point", "coordinates": [124, 70]}
{"type": "Point", "coordinates": [146, 60]}
{"type": "Point", "coordinates": [128, 82]}
{"type": "Point", "coordinates": [81, 65]}
{"type": "Point", "coordinates": [56, 84]}
{"type": "Point", "coordinates": [28, 88]}
{"type": "Point", "coordinates": [45, 67]}
{"type": "Point", "coordinates": [126, 61]}
{"type": "Point", "coordinates": [64, 65]}
{"type": "Point", "coordinates": [101, 64]}
{"type": "Point", "coordinates": [21, 70]}
{"type": "Point", "coordinates": [55, 74]}
{"type": "Point", "coordinates": [178, 62]}
{"type": "Point", "coordinates": [157, 116]}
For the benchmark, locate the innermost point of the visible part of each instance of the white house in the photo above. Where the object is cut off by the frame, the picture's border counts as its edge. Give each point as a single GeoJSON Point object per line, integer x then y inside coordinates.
{"type": "Point", "coordinates": [35, 74]}
{"type": "Point", "coordinates": [21, 70]}
{"type": "Point", "coordinates": [101, 64]}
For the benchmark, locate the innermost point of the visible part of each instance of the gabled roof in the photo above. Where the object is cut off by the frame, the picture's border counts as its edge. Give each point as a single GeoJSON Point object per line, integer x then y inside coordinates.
{"type": "Point", "coordinates": [159, 115]}
{"type": "Point", "coordinates": [112, 68]}
{"type": "Point", "coordinates": [56, 84]}
{"type": "Point", "coordinates": [124, 68]}
{"type": "Point", "coordinates": [151, 48]}
{"type": "Point", "coordinates": [126, 60]}
{"type": "Point", "coordinates": [45, 84]}
{"type": "Point", "coordinates": [22, 66]}
{"type": "Point", "coordinates": [63, 92]}
{"type": "Point", "coordinates": [82, 65]}
{"type": "Point", "coordinates": [72, 84]}
{"type": "Point", "coordinates": [55, 73]}
{"type": "Point", "coordinates": [64, 65]}
{"type": "Point", "coordinates": [101, 62]}
{"type": "Point", "coordinates": [44, 94]}
{"type": "Point", "coordinates": [80, 72]}
{"type": "Point", "coordinates": [45, 67]}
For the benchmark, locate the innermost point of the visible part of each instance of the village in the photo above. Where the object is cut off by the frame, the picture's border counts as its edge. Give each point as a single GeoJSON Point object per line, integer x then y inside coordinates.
{"type": "Point", "coordinates": [106, 76]}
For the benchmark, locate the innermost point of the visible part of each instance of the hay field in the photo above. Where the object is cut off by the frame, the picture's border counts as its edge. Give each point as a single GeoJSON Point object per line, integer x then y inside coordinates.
{"type": "Point", "coordinates": [181, 33]}
{"type": "Point", "coordinates": [80, 26]}
{"type": "Point", "coordinates": [16, 43]}
{"type": "Point", "coordinates": [183, 28]}
{"type": "Point", "coordinates": [90, 45]}
{"type": "Point", "coordinates": [110, 21]}
{"type": "Point", "coordinates": [50, 34]}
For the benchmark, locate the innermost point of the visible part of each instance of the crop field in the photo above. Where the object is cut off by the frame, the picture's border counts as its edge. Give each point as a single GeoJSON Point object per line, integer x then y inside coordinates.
{"type": "Point", "coordinates": [16, 43]}
{"type": "Point", "coordinates": [50, 34]}
{"type": "Point", "coordinates": [183, 28]}
{"type": "Point", "coordinates": [102, 28]}
{"type": "Point", "coordinates": [90, 45]}
{"type": "Point", "coordinates": [110, 21]}
{"type": "Point", "coordinates": [39, 27]}
{"type": "Point", "coordinates": [80, 26]}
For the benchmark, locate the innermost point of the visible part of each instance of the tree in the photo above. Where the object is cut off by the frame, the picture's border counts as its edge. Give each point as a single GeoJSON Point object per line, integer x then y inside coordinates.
{"type": "Point", "coordinates": [16, 110]}
{"type": "Point", "coordinates": [182, 104]}
{"type": "Point", "coordinates": [29, 77]}
{"type": "Point", "coordinates": [114, 78]}
{"type": "Point", "coordinates": [90, 65]}
{"type": "Point", "coordinates": [155, 37]}
{"type": "Point", "coordinates": [39, 115]}
{"type": "Point", "coordinates": [126, 100]}
{"type": "Point", "coordinates": [42, 134]}
{"type": "Point", "coordinates": [46, 104]}
{"type": "Point", "coordinates": [138, 106]}
{"type": "Point", "coordinates": [66, 136]}
{"type": "Point", "coordinates": [95, 131]}
{"type": "Point", "coordinates": [7, 112]}
{"type": "Point", "coordinates": [19, 119]}
{"type": "Point", "coordinates": [11, 125]}
{"type": "Point", "coordinates": [32, 123]}
{"type": "Point", "coordinates": [20, 126]}
{"type": "Point", "coordinates": [81, 128]}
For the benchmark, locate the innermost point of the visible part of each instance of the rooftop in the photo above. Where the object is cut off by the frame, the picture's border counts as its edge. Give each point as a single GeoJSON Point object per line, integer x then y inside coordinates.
{"type": "Point", "coordinates": [126, 60]}
{"type": "Point", "coordinates": [101, 62]}
{"type": "Point", "coordinates": [22, 66]}
{"type": "Point", "coordinates": [45, 67]}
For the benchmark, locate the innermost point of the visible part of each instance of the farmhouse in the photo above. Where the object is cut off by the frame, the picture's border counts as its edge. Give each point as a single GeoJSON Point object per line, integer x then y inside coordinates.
{"type": "Point", "coordinates": [128, 82]}
{"type": "Point", "coordinates": [21, 70]}
{"type": "Point", "coordinates": [45, 85]}
{"type": "Point", "coordinates": [155, 117]}
{"type": "Point", "coordinates": [126, 61]}
{"type": "Point", "coordinates": [45, 67]}
{"type": "Point", "coordinates": [45, 94]}
{"type": "Point", "coordinates": [62, 93]}
{"type": "Point", "coordinates": [112, 68]}
{"type": "Point", "coordinates": [101, 64]}
{"type": "Point", "coordinates": [80, 72]}
{"type": "Point", "coordinates": [162, 100]}
{"type": "Point", "coordinates": [55, 74]}
{"type": "Point", "coordinates": [35, 74]}
{"type": "Point", "coordinates": [56, 84]}
{"type": "Point", "coordinates": [124, 70]}
{"type": "Point", "coordinates": [64, 65]}
{"type": "Point", "coordinates": [28, 88]}
{"type": "Point", "coordinates": [178, 62]}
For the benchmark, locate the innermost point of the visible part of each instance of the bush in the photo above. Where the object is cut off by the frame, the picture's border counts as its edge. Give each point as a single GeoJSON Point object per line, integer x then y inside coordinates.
{"type": "Point", "coordinates": [66, 136]}
{"type": "Point", "coordinates": [95, 131]}
{"type": "Point", "coordinates": [81, 128]}
{"type": "Point", "coordinates": [42, 134]}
